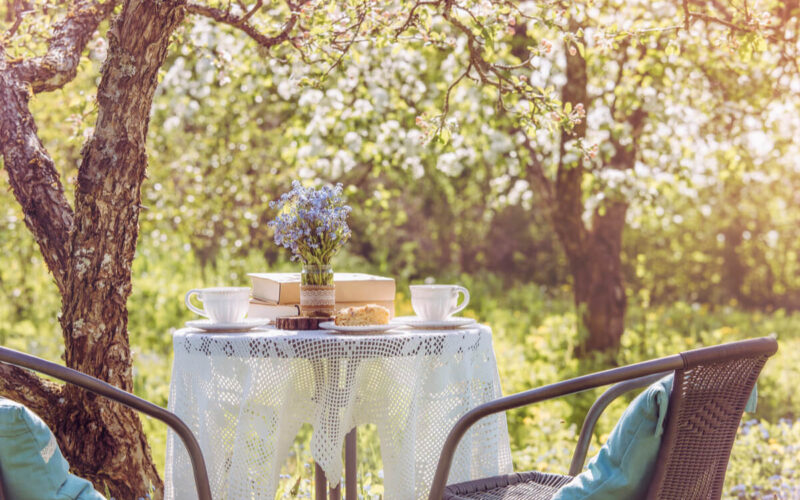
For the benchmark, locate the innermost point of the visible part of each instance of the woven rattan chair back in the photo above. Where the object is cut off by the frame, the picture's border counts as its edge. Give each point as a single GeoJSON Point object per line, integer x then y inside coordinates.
{"type": "Point", "coordinates": [706, 405]}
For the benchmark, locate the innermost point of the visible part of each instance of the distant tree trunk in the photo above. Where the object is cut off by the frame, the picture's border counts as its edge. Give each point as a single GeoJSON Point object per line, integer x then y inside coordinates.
{"type": "Point", "coordinates": [595, 262]}
{"type": "Point", "coordinates": [733, 271]}
{"type": "Point", "coordinates": [594, 253]}
{"type": "Point", "coordinates": [90, 250]}
{"type": "Point", "coordinates": [598, 280]}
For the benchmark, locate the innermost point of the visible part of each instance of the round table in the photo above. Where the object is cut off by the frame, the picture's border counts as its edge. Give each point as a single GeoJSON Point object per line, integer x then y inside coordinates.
{"type": "Point", "coordinates": [245, 396]}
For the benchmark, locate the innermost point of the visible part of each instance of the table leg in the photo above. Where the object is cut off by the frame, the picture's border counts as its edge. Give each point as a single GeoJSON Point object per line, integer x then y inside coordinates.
{"type": "Point", "coordinates": [350, 445]}
{"type": "Point", "coordinates": [351, 491]}
{"type": "Point", "coordinates": [320, 483]}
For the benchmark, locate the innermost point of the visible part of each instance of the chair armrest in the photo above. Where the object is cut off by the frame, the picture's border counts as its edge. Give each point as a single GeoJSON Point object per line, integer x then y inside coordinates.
{"type": "Point", "coordinates": [97, 386]}
{"type": "Point", "coordinates": [599, 406]}
{"type": "Point", "coordinates": [572, 386]}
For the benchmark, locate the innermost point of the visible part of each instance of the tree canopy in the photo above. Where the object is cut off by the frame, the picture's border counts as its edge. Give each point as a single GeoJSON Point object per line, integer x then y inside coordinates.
{"type": "Point", "coordinates": [622, 148]}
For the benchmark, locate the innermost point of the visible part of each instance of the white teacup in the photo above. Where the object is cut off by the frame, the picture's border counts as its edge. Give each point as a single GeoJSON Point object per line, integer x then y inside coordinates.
{"type": "Point", "coordinates": [221, 304]}
{"type": "Point", "coordinates": [437, 302]}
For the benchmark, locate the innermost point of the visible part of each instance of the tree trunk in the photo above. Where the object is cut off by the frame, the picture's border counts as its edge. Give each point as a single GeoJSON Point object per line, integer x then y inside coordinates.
{"type": "Point", "coordinates": [595, 263]}
{"type": "Point", "coordinates": [733, 270]}
{"type": "Point", "coordinates": [598, 281]}
{"type": "Point", "coordinates": [104, 441]}
{"type": "Point", "coordinates": [594, 255]}
{"type": "Point", "coordinates": [90, 250]}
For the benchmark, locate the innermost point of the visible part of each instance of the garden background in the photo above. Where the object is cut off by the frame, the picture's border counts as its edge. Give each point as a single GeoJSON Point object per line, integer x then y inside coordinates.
{"type": "Point", "coordinates": [710, 248]}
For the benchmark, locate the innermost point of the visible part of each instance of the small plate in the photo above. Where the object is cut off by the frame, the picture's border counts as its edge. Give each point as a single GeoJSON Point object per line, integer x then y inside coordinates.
{"type": "Point", "coordinates": [355, 330]}
{"type": "Point", "coordinates": [444, 324]}
{"type": "Point", "coordinates": [241, 326]}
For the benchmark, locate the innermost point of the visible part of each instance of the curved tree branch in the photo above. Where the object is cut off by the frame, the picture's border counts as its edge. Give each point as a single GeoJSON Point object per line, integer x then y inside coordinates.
{"type": "Point", "coordinates": [16, 11]}
{"type": "Point", "coordinates": [240, 22]}
{"type": "Point", "coordinates": [33, 176]}
{"type": "Point", "coordinates": [70, 36]}
{"type": "Point", "coordinates": [362, 15]}
{"type": "Point", "coordinates": [411, 17]}
{"type": "Point", "coordinates": [34, 392]}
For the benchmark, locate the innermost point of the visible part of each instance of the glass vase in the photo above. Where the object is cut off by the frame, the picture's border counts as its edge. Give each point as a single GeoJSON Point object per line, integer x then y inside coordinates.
{"type": "Point", "coordinates": [317, 291]}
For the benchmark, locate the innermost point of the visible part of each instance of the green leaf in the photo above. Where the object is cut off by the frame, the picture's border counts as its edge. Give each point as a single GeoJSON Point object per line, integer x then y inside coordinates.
{"type": "Point", "coordinates": [444, 136]}
{"type": "Point", "coordinates": [760, 44]}
{"type": "Point", "coordinates": [672, 49]}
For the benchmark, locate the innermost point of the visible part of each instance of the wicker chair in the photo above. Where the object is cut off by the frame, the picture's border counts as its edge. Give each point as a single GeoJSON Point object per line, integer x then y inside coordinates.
{"type": "Point", "coordinates": [710, 390]}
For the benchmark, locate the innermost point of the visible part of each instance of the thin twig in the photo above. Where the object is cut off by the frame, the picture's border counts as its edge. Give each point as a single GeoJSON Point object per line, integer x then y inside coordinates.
{"type": "Point", "coordinates": [240, 22]}
{"type": "Point", "coordinates": [344, 52]}
{"type": "Point", "coordinates": [446, 106]}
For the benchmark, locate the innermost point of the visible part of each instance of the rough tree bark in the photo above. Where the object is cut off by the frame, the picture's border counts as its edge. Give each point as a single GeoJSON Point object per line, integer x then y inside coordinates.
{"type": "Point", "coordinates": [107, 205]}
{"type": "Point", "coordinates": [90, 250]}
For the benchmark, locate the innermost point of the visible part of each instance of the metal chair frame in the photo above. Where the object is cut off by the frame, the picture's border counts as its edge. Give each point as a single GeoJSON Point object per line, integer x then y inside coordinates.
{"type": "Point", "coordinates": [626, 378]}
{"type": "Point", "coordinates": [97, 386]}
{"type": "Point", "coordinates": [597, 409]}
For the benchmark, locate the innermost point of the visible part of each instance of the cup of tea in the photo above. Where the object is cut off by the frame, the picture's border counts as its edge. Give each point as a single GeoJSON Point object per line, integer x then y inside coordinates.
{"type": "Point", "coordinates": [437, 302]}
{"type": "Point", "coordinates": [220, 304]}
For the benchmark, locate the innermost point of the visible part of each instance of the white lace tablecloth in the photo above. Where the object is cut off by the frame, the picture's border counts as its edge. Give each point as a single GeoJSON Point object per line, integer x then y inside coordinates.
{"type": "Point", "coordinates": [245, 396]}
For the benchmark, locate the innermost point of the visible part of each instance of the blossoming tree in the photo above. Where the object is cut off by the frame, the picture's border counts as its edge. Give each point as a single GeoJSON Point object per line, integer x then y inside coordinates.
{"type": "Point", "coordinates": [636, 86]}
{"type": "Point", "coordinates": [89, 244]}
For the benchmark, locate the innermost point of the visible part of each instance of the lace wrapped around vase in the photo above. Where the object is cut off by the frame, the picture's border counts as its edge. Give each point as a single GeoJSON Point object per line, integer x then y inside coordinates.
{"type": "Point", "coordinates": [317, 291]}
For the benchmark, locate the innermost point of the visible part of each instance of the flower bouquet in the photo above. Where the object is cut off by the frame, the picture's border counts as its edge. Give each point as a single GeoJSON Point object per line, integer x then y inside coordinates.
{"type": "Point", "coordinates": [312, 223]}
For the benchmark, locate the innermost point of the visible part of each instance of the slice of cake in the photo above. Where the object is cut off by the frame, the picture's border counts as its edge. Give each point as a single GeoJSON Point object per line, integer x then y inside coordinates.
{"type": "Point", "coordinates": [370, 314]}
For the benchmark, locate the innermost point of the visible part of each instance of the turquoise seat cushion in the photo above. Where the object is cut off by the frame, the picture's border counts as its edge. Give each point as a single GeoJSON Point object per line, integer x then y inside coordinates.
{"type": "Point", "coordinates": [31, 463]}
{"type": "Point", "coordinates": [625, 464]}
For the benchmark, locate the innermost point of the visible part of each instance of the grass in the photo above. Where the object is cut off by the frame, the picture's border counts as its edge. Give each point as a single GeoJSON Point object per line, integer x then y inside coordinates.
{"type": "Point", "coordinates": [535, 335]}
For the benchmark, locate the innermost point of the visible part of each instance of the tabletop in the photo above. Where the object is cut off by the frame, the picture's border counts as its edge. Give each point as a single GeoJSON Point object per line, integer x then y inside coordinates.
{"type": "Point", "coordinates": [245, 396]}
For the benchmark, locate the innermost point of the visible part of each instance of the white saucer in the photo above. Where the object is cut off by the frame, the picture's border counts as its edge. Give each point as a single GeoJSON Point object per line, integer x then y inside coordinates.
{"type": "Point", "coordinates": [241, 326]}
{"type": "Point", "coordinates": [355, 330]}
{"type": "Point", "coordinates": [443, 324]}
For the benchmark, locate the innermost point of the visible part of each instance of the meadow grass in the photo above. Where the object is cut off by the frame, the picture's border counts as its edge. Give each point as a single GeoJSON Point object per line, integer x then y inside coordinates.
{"type": "Point", "coordinates": [536, 333]}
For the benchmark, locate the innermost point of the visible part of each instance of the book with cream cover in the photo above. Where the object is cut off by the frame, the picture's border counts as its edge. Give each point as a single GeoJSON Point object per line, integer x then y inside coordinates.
{"type": "Point", "coordinates": [284, 288]}
{"type": "Point", "coordinates": [260, 309]}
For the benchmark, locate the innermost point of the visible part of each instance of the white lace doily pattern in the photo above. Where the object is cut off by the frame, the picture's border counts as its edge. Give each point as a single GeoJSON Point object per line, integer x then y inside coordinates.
{"type": "Point", "coordinates": [245, 397]}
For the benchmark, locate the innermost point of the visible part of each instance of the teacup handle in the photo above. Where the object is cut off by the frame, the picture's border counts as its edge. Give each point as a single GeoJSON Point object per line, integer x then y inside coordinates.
{"type": "Point", "coordinates": [463, 305]}
{"type": "Point", "coordinates": [191, 306]}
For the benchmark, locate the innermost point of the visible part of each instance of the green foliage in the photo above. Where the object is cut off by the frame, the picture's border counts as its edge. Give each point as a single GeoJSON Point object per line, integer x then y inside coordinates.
{"type": "Point", "coordinates": [772, 450]}
{"type": "Point", "coordinates": [713, 237]}
{"type": "Point", "coordinates": [713, 194]}
{"type": "Point", "coordinates": [535, 334]}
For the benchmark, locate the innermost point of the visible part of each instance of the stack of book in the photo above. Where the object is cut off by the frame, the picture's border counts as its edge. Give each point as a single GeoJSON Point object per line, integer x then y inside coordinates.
{"type": "Point", "coordinates": [278, 294]}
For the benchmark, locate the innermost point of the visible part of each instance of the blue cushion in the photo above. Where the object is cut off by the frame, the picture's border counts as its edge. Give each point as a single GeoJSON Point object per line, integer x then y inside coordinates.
{"type": "Point", "coordinates": [625, 464]}
{"type": "Point", "coordinates": [31, 462]}
{"type": "Point", "coordinates": [623, 467]}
